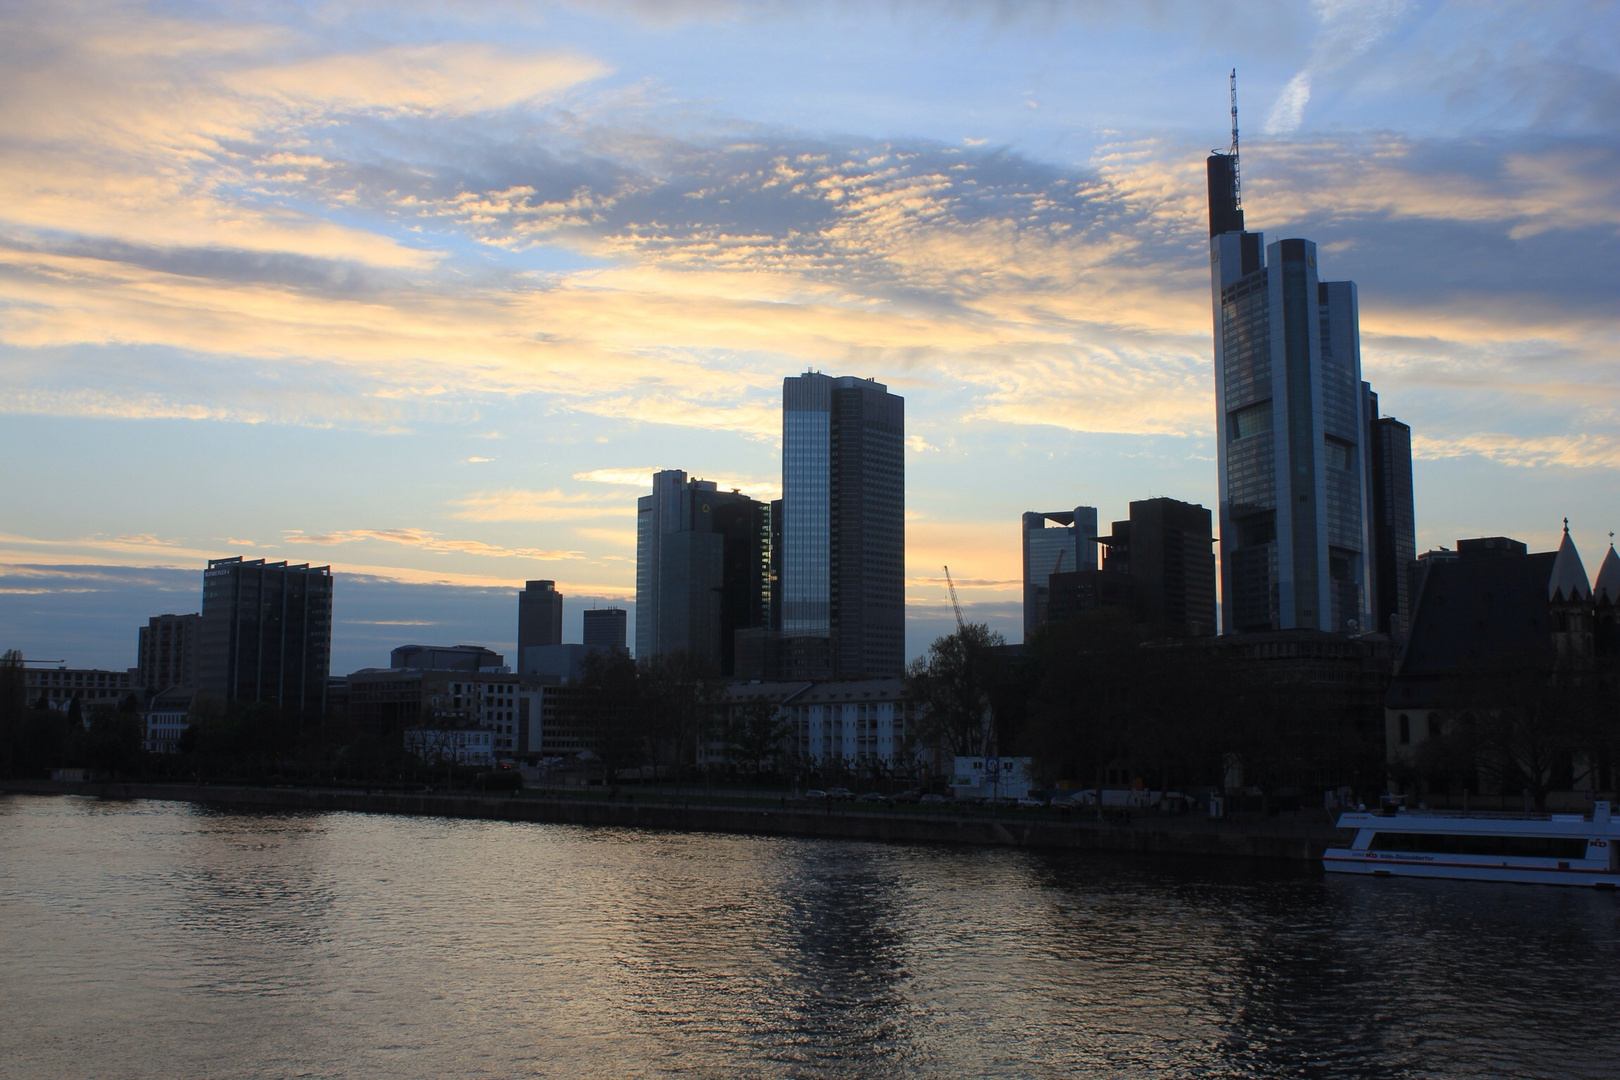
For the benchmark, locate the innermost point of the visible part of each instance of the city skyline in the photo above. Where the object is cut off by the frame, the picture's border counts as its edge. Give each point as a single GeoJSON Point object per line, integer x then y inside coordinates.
{"type": "Point", "coordinates": [449, 289]}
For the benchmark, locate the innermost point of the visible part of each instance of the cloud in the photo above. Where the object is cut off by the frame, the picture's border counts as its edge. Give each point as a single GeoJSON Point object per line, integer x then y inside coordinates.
{"type": "Point", "coordinates": [452, 79]}
{"type": "Point", "coordinates": [1585, 451]}
{"type": "Point", "coordinates": [1348, 28]}
{"type": "Point", "coordinates": [512, 504]}
{"type": "Point", "coordinates": [427, 541]}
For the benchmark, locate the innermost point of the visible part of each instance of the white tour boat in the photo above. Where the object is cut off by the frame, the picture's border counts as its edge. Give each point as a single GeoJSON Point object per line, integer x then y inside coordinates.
{"type": "Point", "coordinates": [1547, 849]}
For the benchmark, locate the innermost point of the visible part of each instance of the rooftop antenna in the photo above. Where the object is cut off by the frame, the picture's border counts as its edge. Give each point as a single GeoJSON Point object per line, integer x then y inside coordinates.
{"type": "Point", "coordinates": [1237, 179]}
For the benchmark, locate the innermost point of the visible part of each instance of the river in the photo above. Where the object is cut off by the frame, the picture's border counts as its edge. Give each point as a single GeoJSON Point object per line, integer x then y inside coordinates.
{"type": "Point", "coordinates": [156, 939]}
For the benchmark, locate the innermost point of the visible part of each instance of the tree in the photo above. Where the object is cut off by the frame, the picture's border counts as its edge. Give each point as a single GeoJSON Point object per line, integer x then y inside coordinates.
{"type": "Point", "coordinates": [113, 741]}
{"type": "Point", "coordinates": [679, 697]}
{"type": "Point", "coordinates": [953, 687]}
{"type": "Point", "coordinates": [755, 733]}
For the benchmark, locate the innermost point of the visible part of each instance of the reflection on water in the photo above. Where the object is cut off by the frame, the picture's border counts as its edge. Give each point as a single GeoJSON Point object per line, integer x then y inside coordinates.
{"type": "Point", "coordinates": [161, 940]}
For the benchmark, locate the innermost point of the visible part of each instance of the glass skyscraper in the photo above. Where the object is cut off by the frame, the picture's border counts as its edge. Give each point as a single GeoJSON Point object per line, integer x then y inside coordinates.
{"type": "Point", "coordinates": [701, 569]}
{"type": "Point", "coordinates": [1291, 426]}
{"type": "Point", "coordinates": [1055, 542]}
{"type": "Point", "coordinates": [843, 530]}
{"type": "Point", "coordinates": [266, 633]}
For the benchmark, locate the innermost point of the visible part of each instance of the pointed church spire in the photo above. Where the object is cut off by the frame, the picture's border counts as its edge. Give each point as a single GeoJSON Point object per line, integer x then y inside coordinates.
{"type": "Point", "coordinates": [1569, 580]}
{"type": "Point", "coordinates": [1607, 589]}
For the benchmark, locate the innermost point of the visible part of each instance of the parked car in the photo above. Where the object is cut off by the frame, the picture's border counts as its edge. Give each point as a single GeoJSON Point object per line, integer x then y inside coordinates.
{"type": "Point", "coordinates": [933, 800]}
{"type": "Point", "coordinates": [815, 793]}
{"type": "Point", "coordinates": [874, 796]}
{"type": "Point", "coordinates": [910, 795]}
{"type": "Point", "coordinates": [1030, 802]}
{"type": "Point", "coordinates": [842, 794]}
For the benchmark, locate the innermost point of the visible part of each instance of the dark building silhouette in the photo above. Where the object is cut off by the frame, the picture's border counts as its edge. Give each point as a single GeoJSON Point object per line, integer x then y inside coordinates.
{"type": "Point", "coordinates": [1055, 542]}
{"type": "Point", "coordinates": [1491, 619]}
{"type": "Point", "coordinates": [605, 628]}
{"type": "Point", "coordinates": [843, 530]}
{"type": "Point", "coordinates": [467, 658]}
{"type": "Point", "coordinates": [266, 633]}
{"type": "Point", "coordinates": [702, 560]}
{"type": "Point", "coordinates": [1393, 529]}
{"type": "Point", "coordinates": [540, 614]}
{"type": "Point", "coordinates": [1168, 548]}
{"type": "Point", "coordinates": [167, 653]}
{"type": "Point", "coordinates": [1076, 591]}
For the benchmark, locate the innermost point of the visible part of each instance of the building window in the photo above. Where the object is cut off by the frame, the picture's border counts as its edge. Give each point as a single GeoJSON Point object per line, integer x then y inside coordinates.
{"type": "Point", "coordinates": [1406, 729]}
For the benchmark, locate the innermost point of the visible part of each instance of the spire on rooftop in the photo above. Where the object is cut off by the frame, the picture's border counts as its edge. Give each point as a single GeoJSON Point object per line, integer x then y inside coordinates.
{"type": "Point", "coordinates": [1568, 581]}
{"type": "Point", "coordinates": [1607, 588]}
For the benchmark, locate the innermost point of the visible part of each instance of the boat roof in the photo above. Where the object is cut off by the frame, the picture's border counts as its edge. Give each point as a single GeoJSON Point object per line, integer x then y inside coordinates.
{"type": "Point", "coordinates": [1440, 821]}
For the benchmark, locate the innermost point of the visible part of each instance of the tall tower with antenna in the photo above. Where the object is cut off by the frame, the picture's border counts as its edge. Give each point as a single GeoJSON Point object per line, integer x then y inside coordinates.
{"type": "Point", "coordinates": [1291, 426]}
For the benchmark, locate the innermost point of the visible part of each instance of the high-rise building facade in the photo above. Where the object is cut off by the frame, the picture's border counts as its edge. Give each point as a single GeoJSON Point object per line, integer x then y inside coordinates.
{"type": "Point", "coordinates": [606, 628]}
{"type": "Point", "coordinates": [843, 529]}
{"type": "Point", "coordinates": [167, 653]}
{"type": "Point", "coordinates": [1393, 529]}
{"type": "Point", "coordinates": [1056, 542]}
{"type": "Point", "coordinates": [1290, 429]}
{"type": "Point", "coordinates": [540, 615]}
{"type": "Point", "coordinates": [1167, 546]}
{"type": "Point", "coordinates": [266, 633]}
{"type": "Point", "coordinates": [702, 560]}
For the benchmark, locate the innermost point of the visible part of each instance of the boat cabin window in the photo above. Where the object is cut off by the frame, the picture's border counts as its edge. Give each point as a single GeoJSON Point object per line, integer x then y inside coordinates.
{"type": "Point", "coordinates": [1528, 847]}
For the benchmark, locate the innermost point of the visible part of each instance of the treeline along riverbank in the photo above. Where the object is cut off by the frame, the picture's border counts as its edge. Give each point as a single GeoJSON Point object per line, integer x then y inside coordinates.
{"type": "Point", "coordinates": [1300, 838]}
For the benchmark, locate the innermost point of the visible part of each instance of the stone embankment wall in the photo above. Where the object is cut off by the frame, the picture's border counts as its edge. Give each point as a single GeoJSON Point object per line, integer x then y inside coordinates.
{"type": "Point", "coordinates": [1266, 838]}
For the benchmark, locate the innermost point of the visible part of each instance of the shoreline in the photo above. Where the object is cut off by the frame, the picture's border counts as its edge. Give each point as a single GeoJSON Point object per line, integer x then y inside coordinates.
{"type": "Point", "coordinates": [1291, 840]}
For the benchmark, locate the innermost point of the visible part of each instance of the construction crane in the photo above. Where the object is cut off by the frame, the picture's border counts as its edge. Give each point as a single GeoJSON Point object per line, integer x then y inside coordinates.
{"type": "Point", "coordinates": [956, 605]}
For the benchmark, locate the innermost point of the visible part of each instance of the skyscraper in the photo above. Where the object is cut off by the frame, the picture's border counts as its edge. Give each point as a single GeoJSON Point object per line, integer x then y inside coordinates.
{"type": "Point", "coordinates": [843, 530]}
{"type": "Point", "coordinates": [702, 559]}
{"type": "Point", "coordinates": [1290, 427]}
{"type": "Point", "coordinates": [540, 614]}
{"type": "Point", "coordinates": [1056, 542]}
{"type": "Point", "coordinates": [167, 649]}
{"type": "Point", "coordinates": [605, 628]}
{"type": "Point", "coordinates": [1393, 528]}
{"type": "Point", "coordinates": [266, 633]}
{"type": "Point", "coordinates": [1167, 547]}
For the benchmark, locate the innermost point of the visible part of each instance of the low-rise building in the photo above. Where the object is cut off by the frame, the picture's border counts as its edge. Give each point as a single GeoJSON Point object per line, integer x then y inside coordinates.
{"type": "Point", "coordinates": [388, 700]}
{"type": "Point", "coordinates": [864, 726]}
{"type": "Point", "coordinates": [56, 687]}
{"type": "Point", "coordinates": [461, 745]}
{"type": "Point", "coordinates": [168, 715]}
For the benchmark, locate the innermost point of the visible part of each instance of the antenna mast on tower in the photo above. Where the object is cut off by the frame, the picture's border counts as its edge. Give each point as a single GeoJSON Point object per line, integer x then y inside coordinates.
{"type": "Point", "coordinates": [1237, 180]}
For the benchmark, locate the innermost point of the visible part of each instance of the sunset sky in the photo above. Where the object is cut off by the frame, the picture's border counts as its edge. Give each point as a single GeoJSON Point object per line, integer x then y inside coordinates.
{"type": "Point", "coordinates": [425, 291]}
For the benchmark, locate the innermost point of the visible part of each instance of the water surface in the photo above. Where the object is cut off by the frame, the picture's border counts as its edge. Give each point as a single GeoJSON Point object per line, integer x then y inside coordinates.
{"type": "Point", "coordinates": [153, 939]}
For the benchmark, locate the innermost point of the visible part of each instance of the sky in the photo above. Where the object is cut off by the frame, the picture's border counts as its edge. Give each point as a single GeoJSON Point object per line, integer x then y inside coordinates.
{"type": "Point", "coordinates": [426, 291]}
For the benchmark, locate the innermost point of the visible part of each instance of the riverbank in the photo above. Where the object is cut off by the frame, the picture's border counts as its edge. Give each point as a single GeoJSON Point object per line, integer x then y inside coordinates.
{"type": "Point", "coordinates": [1298, 839]}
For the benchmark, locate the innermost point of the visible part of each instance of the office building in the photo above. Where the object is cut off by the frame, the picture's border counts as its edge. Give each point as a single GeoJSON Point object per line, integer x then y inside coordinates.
{"type": "Point", "coordinates": [266, 633]}
{"type": "Point", "coordinates": [702, 557]}
{"type": "Point", "coordinates": [472, 658]}
{"type": "Point", "coordinates": [1056, 542]}
{"type": "Point", "coordinates": [56, 688]}
{"type": "Point", "coordinates": [843, 530]}
{"type": "Point", "coordinates": [166, 653]}
{"type": "Point", "coordinates": [1168, 548]}
{"type": "Point", "coordinates": [1290, 429]}
{"type": "Point", "coordinates": [388, 701]}
{"type": "Point", "coordinates": [1393, 528]}
{"type": "Point", "coordinates": [540, 614]}
{"type": "Point", "coordinates": [1075, 592]}
{"type": "Point", "coordinates": [605, 628]}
